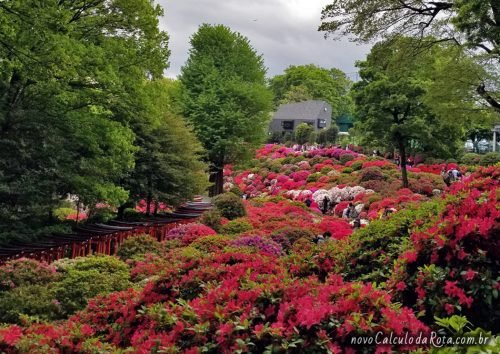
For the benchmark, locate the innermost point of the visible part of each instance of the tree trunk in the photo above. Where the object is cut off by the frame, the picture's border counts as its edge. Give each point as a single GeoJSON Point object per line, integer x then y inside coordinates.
{"type": "Point", "coordinates": [217, 180]}
{"type": "Point", "coordinates": [402, 154]}
{"type": "Point", "coordinates": [149, 199]}
{"type": "Point", "coordinates": [121, 211]}
{"type": "Point", "coordinates": [157, 204]}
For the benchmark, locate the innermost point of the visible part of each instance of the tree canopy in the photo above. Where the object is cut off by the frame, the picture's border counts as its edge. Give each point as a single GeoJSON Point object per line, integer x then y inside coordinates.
{"type": "Point", "coordinates": [473, 24]}
{"type": "Point", "coordinates": [306, 82]}
{"type": "Point", "coordinates": [224, 96]}
{"type": "Point", "coordinates": [168, 164]}
{"type": "Point", "coordinates": [73, 95]}
{"type": "Point", "coordinates": [393, 101]}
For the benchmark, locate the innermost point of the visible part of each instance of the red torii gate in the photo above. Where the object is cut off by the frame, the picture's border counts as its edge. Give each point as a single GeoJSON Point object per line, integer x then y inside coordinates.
{"type": "Point", "coordinates": [101, 238]}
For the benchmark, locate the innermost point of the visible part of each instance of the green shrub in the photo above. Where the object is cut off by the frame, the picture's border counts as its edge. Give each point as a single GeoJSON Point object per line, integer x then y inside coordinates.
{"type": "Point", "coordinates": [88, 277]}
{"type": "Point", "coordinates": [138, 246]}
{"type": "Point", "coordinates": [369, 254]}
{"type": "Point", "coordinates": [102, 215]}
{"type": "Point", "coordinates": [314, 177]}
{"type": "Point", "coordinates": [131, 213]}
{"type": "Point", "coordinates": [230, 205]}
{"type": "Point", "coordinates": [212, 243]}
{"type": "Point", "coordinates": [346, 158]}
{"type": "Point", "coordinates": [293, 234]}
{"type": "Point", "coordinates": [326, 169]}
{"type": "Point", "coordinates": [236, 226]}
{"type": "Point", "coordinates": [372, 174]}
{"type": "Point", "coordinates": [356, 166]}
{"type": "Point", "coordinates": [212, 219]}
{"type": "Point", "coordinates": [29, 300]}
{"type": "Point", "coordinates": [432, 161]}
{"type": "Point", "coordinates": [471, 159]}
{"type": "Point", "coordinates": [23, 271]}
{"type": "Point", "coordinates": [63, 213]}
{"type": "Point", "coordinates": [347, 170]}
{"type": "Point", "coordinates": [491, 158]}
{"type": "Point", "coordinates": [236, 190]}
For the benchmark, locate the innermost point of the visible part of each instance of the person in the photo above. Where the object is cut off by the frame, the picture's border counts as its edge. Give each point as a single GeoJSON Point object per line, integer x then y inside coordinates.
{"type": "Point", "coordinates": [446, 177]}
{"type": "Point", "coordinates": [387, 211]}
{"type": "Point", "coordinates": [308, 202]}
{"type": "Point", "coordinates": [325, 206]}
{"type": "Point", "coordinates": [349, 212]}
{"type": "Point", "coordinates": [327, 235]}
{"type": "Point", "coordinates": [319, 239]}
{"type": "Point", "coordinates": [356, 224]}
{"type": "Point", "coordinates": [456, 175]}
{"type": "Point", "coordinates": [245, 196]}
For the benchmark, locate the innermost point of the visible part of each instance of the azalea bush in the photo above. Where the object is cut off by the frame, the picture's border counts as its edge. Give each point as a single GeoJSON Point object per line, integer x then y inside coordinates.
{"type": "Point", "coordinates": [88, 277]}
{"type": "Point", "coordinates": [138, 246]}
{"type": "Point", "coordinates": [259, 283]}
{"type": "Point", "coordinates": [189, 232]}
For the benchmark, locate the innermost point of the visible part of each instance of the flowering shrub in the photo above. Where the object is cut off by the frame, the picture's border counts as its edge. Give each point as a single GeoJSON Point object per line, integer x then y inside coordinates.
{"type": "Point", "coordinates": [189, 232]}
{"type": "Point", "coordinates": [236, 226]}
{"type": "Point", "coordinates": [89, 277]}
{"type": "Point", "coordinates": [138, 246]}
{"type": "Point", "coordinates": [265, 246]}
{"type": "Point", "coordinates": [23, 271]}
{"type": "Point", "coordinates": [268, 287]}
{"type": "Point", "coordinates": [230, 206]}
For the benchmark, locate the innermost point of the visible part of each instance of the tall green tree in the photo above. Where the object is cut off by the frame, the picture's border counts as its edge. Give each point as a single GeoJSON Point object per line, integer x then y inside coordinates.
{"type": "Point", "coordinates": [391, 107]}
{"type": "Point", "coordinates": [168, 166]}
{"type": "Point", "coordinates": [69, 76]}
{"type": "Point", "coordinates": [471, 24]}
{"type": "Point", "coordinates": [224, 96]}
{"type": "Point", "coordinates": [305, 82]}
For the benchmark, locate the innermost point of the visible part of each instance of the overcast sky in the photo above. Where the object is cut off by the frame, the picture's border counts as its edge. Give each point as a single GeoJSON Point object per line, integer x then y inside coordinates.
{"type": "Point", "coordinates": [284, 31]}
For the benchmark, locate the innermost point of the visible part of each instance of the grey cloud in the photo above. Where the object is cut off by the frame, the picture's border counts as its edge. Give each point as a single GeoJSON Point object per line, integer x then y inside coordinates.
{"type": "Point", "coordinates": [285, 31]}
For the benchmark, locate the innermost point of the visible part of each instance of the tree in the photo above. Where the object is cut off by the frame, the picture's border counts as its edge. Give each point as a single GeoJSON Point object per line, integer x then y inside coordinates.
{"type": "Point", "coordinates": [224, 96]}
{"type": "Point", "coordinates": [328, 135]}
{"type": "Point", "coordinates": [69, 76]}
{"type": "Point", "coordinates": [305, 82]}
{"type": "Point", "coordinates": [469, 23]}
{"type": "Point", "coordinates": [303, 133]}
{"type": "Point", "coordinates": [168, 166]}
{"type": "Point", "coordinates": [390, 103]}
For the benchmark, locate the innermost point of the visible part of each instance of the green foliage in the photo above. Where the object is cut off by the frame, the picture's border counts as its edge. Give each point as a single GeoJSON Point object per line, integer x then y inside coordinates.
{"type": "Point", "coordinates": [88, 277]}
{"type": "Point", "coordinates": [490, 158]}
{"type": "Point", "coordinates": [212, 219]}
{"type": "Point", "coordinates": [328, 135]}
{"type": "Point", "coordinates": [28, 300]}
{"type": "Point", "coordinates": [230, 206]}
{"type": "Point", "coordinates": [303, 133]}
{"type": "Point", "coordinates": [212, 243]}
{"type": "Point", "coordinates": [372, 174]}
{"type": "Point", "coordinates": [25, 272]}
{"type": "Point", "coordinates": [63, 213]}
{"type": "Point", "coordinates": [293, 234]}
{"type": "Point", "coordinates": [356, 166]}
{"type": "Point", "coordinates": [236, 226]}
{"type": "Point", "coordinates": [306, 82]}
{"type": "Point", "coordinates": [168, 166]}
{"type": "Point", "coordinates": [475, 21]}
{"type": "Point", "coordinates": [394, 102]}
{"type": "Point", "coordinates": [101, 215]}
{"type": "Point", "coordinates": [224, 95]}
{"type": "Point", "coordinates": [138, 246]}
{"type": "Point", "coordinates": [370, 253]}
{"type": "Point", "coordinates": [70, 72]}
{"type": "Point", "coordinates": [346, 158]}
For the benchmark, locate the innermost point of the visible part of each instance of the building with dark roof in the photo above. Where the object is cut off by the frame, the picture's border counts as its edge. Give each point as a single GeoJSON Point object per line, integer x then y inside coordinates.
{"type": "Point", "coordinates": [318, 114]}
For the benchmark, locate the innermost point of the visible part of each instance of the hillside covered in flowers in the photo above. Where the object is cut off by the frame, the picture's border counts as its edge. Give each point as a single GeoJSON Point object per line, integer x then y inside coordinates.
{"type": "Point", "coordinates": [254, 276]}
